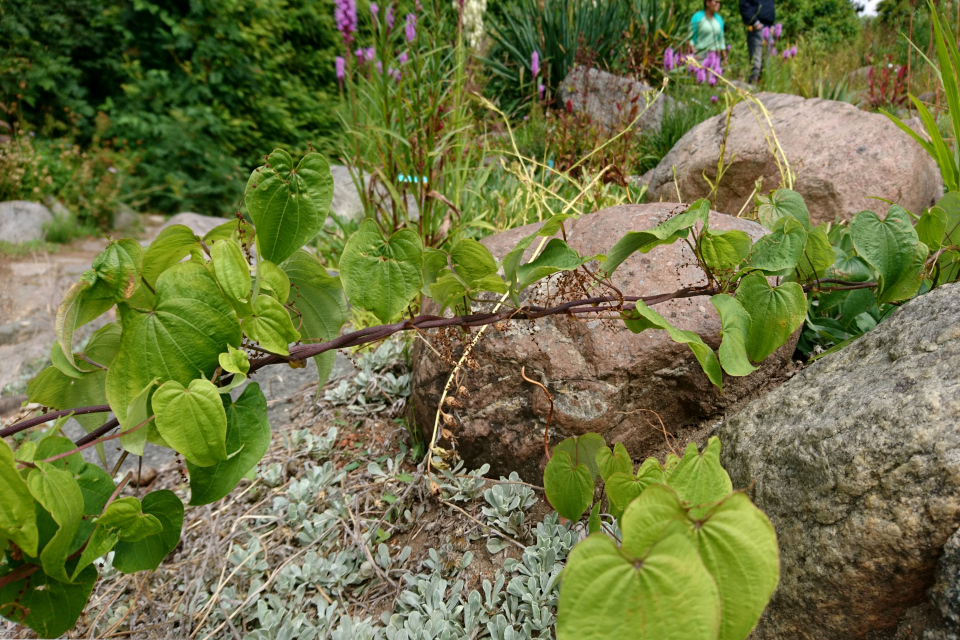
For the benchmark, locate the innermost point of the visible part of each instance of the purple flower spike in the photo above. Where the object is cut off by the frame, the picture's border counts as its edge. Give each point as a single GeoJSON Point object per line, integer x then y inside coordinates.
{"type": "Point", "coordinates": [714, 99]}
{"type": "Point", "coordinates": [411, 27]}
{"type": "Point", "coordinates": [773, 51]}
{"type": "Point", "coordinates": [369, 54]}
{"type": "Point", "coordinates": [403, 57]}
{"type": "Point", "coordinates": [777, 30]}
{"type": "Point", "coordinates": [668, 59]}
{"type": "Point", "coordinates": [701, 76]}
{"type": "Point", "coordinates": [341, 66]}
{"type": "Point", "coordinates": [535, 63]}
{"type": "Point", "coordinates": [394, 73]}
{"type": "Point", "coordinates": [786, 54]}
{"type": "Point", "coordinates": [793, 51]}
{"type": "Point", "coordinates": [541, 90]}
{"type": "Point", "coordinates": [765, 33]}
{"type": "Point", "coordinates": [712, 80]}
{"type": "Point", "coordinates": [379, 67]}
{"type": "Point", "coordinates": [359, 54]}
{"type": "Point", "coordinates": [374, 10]}
{"type": "Point", "coordinates": [345, 15]}
{"type": "Point", "coordinates": [389, 18]}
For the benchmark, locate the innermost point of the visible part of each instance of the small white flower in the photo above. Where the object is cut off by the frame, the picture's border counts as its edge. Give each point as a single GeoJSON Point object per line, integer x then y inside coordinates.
{"type": "Point", "coordinates": [112, 169]}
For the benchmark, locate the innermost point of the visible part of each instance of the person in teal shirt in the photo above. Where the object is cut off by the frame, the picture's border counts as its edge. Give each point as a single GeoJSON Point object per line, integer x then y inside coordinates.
{"type": "Point", "coordinates": [706, 30]}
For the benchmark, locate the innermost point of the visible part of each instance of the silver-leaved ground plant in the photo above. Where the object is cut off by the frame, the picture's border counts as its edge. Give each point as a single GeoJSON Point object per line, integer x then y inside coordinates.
{"type": "Point", "coordinates": [196, 317]}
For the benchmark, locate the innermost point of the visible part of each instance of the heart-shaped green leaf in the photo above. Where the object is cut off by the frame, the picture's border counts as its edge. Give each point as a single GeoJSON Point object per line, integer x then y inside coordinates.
{"type": "Point", "coordinates": [782, 203]}
{"type": "Point", "coordinates": [890, 246]}
{"type": "Point", "coordinates": [180, 339]}
{"type": "Point", "coordinates": [148, 553]}
{"type": "Point", "coordinates": [126, 516]}
{"type": "Point", "coordinates": [53, 388]}
{"type": "Point", "coordinates": [48, 606]}
{"type": "Point", "coordinates": [623, 488]}
{"type": "Point", "coordinates": [818, 256]}
{"type": "Point", "coordinates": [724, 250]}
{"type": "Point", "coordinates": [778, 252]}
{"type": "Point", "coordinates": [472, 261]}
{"type": "Point", "coordinates": [248, 437]}
{"type": "Point", "coordinates": [583, 450]}
{"type": "Point", "coordinates": [171, 246]}
{"type": "Point", "coordinates": [77, 309]}
{"type": "Point", "coordinates": [192, 420]}
{"type": "Point", "coordinates": [271, 326]}
{"type": "Point", "coordinates": [379, 274]}
{"type": "Point", "coordinates": [611, 462]}
{"type": "Point", "coordinates": [118, 269]}
{"type": "Point", "coordinates": [556, 256]}
{"type": "Point", "coordinates": [932, 227]}
{"type": "Point", "coordinates": [665, 594]}
{"type": "Point", "coordinates": [569, 487]}
{"type": "Point", "coordinates": [288, 205]}
{"type": "Point", "coordinates": [775, 313]}
{"type": "Point", "coordinates": [700, 480]}
{"type": "Point", "coordinates": [274, 280]}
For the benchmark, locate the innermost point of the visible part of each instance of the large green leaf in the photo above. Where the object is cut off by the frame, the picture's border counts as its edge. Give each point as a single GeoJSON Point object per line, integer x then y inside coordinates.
{"type": "Point", "coordinates": [665, 233]}
{"type": "Point", "coordinates": [818, 256]}
{"type": "Point", "coordinates": [724, 250]}
{"type": "Point", "coordinates": [648, 516]}
{"type": "Point", "coordinates": [583, 450]}
{"type": "Point", "coordinates": [381, 275]}
{"type": "Point", "coordinates": [127, 517]}
{"type": "Point", "coordinates": [909, 280]}
{"type": "Point", "coordinates": [782, 203]}
{"type": "Point", "coordinates": [775, 313]}
{"type": "Point", "coordinates": [568, 486]}
{"type": "Point", "coordinates": [472, 261]}
{"type": "Point", "coordinates": [288, 205]}
{"type": "Point", "coordinates": [700, 480]}
{"type": "Point", "coordinates": [623, 488]}
{"type": "Point", "coordinates": [170, 247]}
{"type": "Point", "coordinates": [643, 318]}
{"type": "Point", "coordinates": [181, 339]}
{"type": "Point", "coordinates": [271, 326]}
{"type": "Point", "coordinates": [18, 520]}
{"type": "Point", "coordinates": [319, 299]}
{"type": "Point", "coordinates": [932, 227]}
{"type": "Point", "coordinates": [118, 269]}
{"type": "Point", "coordinates": [57, 491]}
{"type": "Point", "coordinates": [778, 252]}
{"type": "Point", "coordinates": [148, 553]}
{"type": "Point", "coordinates": [734, 329]}
{"type": "Point", "coordinates": [233, 273]}
{"type": "Point", "coordinates": [48, 606]}
{"type": "Point", "coordinates": [192, 420]}
{"type": "Point", "coordinates": [611, 462]}
{"type": "Point", "coordinates": [890, 246]}
{"type": "Point", "coordinates": [739, 548]}
{"type": "Point", "coordinates": [248, 438]}
{"type": "Point", "coordinates": [511, 261]}
{"type": "Point", "coordinates": [665, 594]}
{"type": "Point", "coordinates": [53, 388]}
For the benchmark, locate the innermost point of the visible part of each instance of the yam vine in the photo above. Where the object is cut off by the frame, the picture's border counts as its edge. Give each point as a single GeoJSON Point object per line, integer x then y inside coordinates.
{"type": "Point", "coordinates": [197, 317]}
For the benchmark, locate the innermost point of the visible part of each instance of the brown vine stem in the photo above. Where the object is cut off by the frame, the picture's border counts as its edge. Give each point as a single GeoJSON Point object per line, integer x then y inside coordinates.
{"type": "Point", "coordinates": [87, 445]}
{"type": "Point", "coordinates": [596, 305]}
{"type": "Point", "coordinates": [546, 430]}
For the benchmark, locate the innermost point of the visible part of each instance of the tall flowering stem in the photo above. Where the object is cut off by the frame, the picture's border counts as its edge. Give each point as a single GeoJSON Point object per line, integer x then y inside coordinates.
{"type": "Point", "coordinates": [345, 16]}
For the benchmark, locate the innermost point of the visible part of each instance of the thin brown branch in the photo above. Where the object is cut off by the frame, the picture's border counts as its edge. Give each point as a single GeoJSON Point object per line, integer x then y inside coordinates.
{"type": "Point", "coordinates": [546, 430]}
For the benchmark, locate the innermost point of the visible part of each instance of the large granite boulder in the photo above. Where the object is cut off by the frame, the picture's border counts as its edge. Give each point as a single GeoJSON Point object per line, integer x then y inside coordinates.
{"type": "Point", "coordinates": [611, 101]}
{"type": "Point", "coordinates": [856, 460]}
{"type": "Point", "coordinates": [945, 595]}
{"type": "Point", "coordinates": [346, 203]}
{"type": "Point", "coordinates": [602, 377]}
{"type": "Point", "coordinates": [23, 221]}
{"type": "Point", "coordinates": [843, 158]}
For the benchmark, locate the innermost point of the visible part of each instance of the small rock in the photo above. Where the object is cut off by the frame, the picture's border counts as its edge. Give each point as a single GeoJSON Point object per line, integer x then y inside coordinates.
{"type": "Point", "coordinates": [22, 221]}
{"type": "Point", "coordinates": [125, 218]}
{"type": "Point", "coordinates": [57, 208]}
{"type": "Point", "coordinates": [346, 203]}
{"type": "Point", "coordinates": [146, 478]}
{"type": "Point", "coordinates": [856, 461]}
{"type": "Point", "coordinates": [844, 159]}
{"type": "Point", "coordinates": [610, 100]}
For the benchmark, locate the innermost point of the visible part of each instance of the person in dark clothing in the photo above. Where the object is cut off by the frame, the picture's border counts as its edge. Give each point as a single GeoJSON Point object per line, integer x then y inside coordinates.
{"type": "Point", "coordinates": [756, 15]}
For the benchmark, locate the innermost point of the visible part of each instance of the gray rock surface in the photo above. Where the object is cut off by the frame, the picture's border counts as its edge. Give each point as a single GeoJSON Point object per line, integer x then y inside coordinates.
{"type": "Point", "coordinates": [945, 594]}
{"type": "Point", "coordinates": [346, 203]}
{"type": "Point", "coordinates": [842, 157]}
{"type": "Point", "coordinates": [22, 221]}
{"type": "Point", "coordinates": [602, 377]}
{"type": "Point", "coordinates": [856, 460]}
{"type": "Point", "coordinates": [610, 100]}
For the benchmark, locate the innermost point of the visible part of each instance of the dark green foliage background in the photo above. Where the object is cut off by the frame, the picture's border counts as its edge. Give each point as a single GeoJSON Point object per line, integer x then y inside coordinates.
{"type": "Point", "coordinates": [200, 89]}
